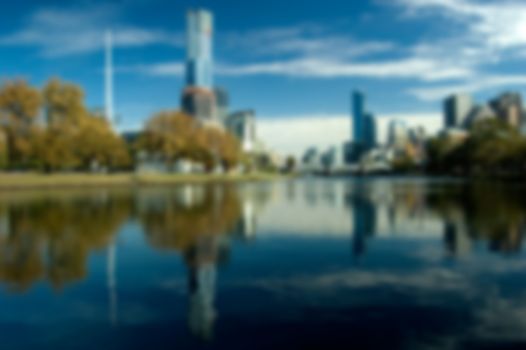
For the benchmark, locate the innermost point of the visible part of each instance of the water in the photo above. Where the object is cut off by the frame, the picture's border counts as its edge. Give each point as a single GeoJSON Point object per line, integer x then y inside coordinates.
{"type": "Point", "coordinates": [379, 263]}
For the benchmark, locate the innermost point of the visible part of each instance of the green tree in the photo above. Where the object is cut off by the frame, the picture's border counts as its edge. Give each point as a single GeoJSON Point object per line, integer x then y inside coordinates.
{"type": "Point", "coordinates": [174, 135]}
{"type": "Point", "coordinates": [19, 108]}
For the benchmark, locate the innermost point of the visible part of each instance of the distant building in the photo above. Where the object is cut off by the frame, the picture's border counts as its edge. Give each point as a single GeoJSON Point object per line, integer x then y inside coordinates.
{"type": "Point", "coordinates": [311, 159]}
{"type": "Point", "coordinates": [222, 103]}
{"type": "Point", "coordinates": [358, 109]}
{"type": "Point", "coordinates": [243, 125]}
{"type": "Point", "coordinates": [199, 65]}
{"type": "Point", "coordinates": [508, 108]}
{"type": "Point", "coordinates": [200, 103]}
{"type": "Point", "coordinates": [478, 114]}
{"type": "Point", "coordinates": [333, 160]}
{"type": "Point", "coordinates": [398, 134]}
{"type": "Point", "coordinates": [369, 131]}
{"type": "Point", "coordinates": [364, 129]}
{"type": "Point", "coordinates": [456, 110]}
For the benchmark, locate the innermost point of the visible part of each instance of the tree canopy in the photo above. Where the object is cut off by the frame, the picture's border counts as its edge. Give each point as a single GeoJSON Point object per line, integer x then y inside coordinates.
{"type": "Point", "coordinates": [173, 135]}
{"type": "Point", "coordinates": [68, 137]}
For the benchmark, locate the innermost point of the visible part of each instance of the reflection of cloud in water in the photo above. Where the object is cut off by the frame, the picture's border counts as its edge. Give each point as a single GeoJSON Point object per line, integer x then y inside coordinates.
{"type": "Point", "coordinates": [327, 207]}
{"type": "Point", "coordinates": [490, 316]}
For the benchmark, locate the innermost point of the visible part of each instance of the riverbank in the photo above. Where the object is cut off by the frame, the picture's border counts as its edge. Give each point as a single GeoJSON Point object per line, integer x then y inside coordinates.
{"type": "Point", "coordinates": [20, 181]}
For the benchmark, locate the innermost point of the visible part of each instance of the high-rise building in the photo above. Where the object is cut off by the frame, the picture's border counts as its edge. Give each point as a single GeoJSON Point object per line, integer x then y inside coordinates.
{"type": "Point", "coordinates": [358, 109]}
{"type": "Point", "coordinates": [508, 108]}
{"type": "Point", "coordinates": [369, 131]}
{"type": "Point", "coordinates": [456, 110]}
{"type": "Point", "coordinates": [199, 65]}
{"type": "Point", "coordinates": [364, 129]}
{"type": "Point", "coordinates": [398, 134]}
{"type": "Point", "coordinates": [222, 103]}
{"type": "Point", "coordinates": [243, 125]}
{"type": "Point", "coordinates": [200, 103]}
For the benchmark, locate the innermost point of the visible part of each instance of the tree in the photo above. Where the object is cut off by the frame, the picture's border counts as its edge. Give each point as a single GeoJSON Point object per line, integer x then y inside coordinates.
{"type": "Point", "coordinates": [63, 103]}
{"type": "Point", "coordinates": [19, 108]}
{"type": "Point", "coordinates": [53, 148]}
{"type": "Point", "coordinates": [169, 134]}
{"type": "Point", "coordinates": [290, 164]}
{"type": "Point", "coordinates": [97, 144]}
{"type": "Point", "coordinates": [173, 135]}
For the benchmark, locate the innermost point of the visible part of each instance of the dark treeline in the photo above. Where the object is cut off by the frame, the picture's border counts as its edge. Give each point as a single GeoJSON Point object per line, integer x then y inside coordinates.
{"type": "Point", "coordinates": [486, 211]}
{"type": "Point", "coordinates": [492, 148]}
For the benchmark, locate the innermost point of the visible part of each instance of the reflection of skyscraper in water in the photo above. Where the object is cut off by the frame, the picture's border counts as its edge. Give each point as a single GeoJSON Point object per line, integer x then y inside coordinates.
{"type": "Point", "coordinates": [246, 225]}
{"type": "Point", "coordinates": [456, 238]}
{"type": "Point", "coordinates": [202, 260]}
{"type": "Point", "coordinates": [202, 291]}
{"type": "Point", "coordinates": [112, 282]}
{"type": "Point", "coordinates": [364, 220]}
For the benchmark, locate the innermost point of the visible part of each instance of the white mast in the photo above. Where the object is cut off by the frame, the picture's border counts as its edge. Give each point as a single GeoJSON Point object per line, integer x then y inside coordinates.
{"type": "Point", "coordinates": [108, 81]}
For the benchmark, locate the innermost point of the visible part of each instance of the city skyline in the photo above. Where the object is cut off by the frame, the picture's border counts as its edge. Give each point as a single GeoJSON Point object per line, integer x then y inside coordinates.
{"type": "Point", "coordinates": [292, 68]}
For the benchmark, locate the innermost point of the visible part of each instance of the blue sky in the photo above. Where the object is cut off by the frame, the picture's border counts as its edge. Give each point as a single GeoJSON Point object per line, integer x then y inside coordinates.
{"type": "Point", "coordinates": [293, 59]}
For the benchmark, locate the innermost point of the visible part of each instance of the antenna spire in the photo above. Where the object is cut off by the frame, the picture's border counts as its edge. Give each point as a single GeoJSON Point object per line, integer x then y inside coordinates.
{"type": "Point", "coordinates": [108, 81]}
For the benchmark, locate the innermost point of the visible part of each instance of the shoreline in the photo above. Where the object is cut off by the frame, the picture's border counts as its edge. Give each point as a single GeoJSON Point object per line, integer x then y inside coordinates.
{"type": "Point", "coordinates": [31, 181]}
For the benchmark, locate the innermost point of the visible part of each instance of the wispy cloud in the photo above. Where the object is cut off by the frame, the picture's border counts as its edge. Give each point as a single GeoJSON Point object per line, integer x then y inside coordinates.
{"type": "Point", "coordinates": [500, 24]}
{"type": "Point", "coordinates": [413, 67]}
{"type": "Point", "coordinates": [434, 93]}
{"type": "Point", "coordinates": [328, 130]}
{"type": "Point", "coordinates": [302, 40]}
{"type": "Point", "coordinates": [162, 69]}
{"type": "Point", "coordinates": [62, 32]}
{"type": "Point", "coordinates": [321, 130]}
{"type": "Point", "coordinates": [486, 36]}
{"type": "Point", "coordinates": [410, 68]}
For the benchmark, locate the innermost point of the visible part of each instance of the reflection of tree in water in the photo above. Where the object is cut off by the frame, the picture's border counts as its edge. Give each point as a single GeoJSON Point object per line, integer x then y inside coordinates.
{"type": "Point", "coordinates": [492, 212]}
{"type": "Point", "coordinates": [51, 238]}
{"type": "Point", "coordinates": [198, 226]}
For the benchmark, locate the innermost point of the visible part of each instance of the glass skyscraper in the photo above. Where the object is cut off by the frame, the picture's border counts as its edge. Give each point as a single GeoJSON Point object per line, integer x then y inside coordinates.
{"type": "Point", "coordinates": [358, 106]}
{"type": "Point", "coordinates": [199, 64]}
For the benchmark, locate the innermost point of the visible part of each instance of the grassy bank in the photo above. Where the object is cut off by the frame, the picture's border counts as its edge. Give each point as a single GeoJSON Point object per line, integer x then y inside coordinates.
{"type": "Point", "coordinates": [11, 181]}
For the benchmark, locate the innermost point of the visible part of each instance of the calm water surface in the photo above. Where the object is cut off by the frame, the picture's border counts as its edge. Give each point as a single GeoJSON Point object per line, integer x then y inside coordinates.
{"type": "Point", "coordinates": [379, 263]}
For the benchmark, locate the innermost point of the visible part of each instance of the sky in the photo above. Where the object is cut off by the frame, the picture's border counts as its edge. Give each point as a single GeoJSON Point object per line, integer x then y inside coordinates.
{"type": "Point", "coordinates": [295, 62]}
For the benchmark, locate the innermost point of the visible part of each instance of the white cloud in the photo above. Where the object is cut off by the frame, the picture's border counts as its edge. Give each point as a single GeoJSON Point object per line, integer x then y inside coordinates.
{"type": "Point", "coordinates": [294, 134]}
{"type": "Point", "coordinates": [490, 34]}
{"type": "Point", "coordinates": [423, 69]}
{"type": "Point", "coordinates": [435, 93]}
{"type": "Point", "coordinates": [68, 32]}
{"type": "Point", "coordinates": [167, 69]}
{"type": "Point", "coordinates": [499, 24]}
{"type": "Point", "coordinates": [304, 40]}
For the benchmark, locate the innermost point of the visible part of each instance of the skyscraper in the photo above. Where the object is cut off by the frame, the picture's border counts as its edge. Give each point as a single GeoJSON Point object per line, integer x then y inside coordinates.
{"type": "Point", "coordinates": [199, 103]}
{"type": "Point", "coordinates": [222, 103]}
{"type": "Point", "coordinates": [369, 131]}
{"type": "Point", "coordinates": [199, 63]}
{"type": "Point", "coordinates": [358, 108]}
{"type": "Point", "coordinates": [364, 129]}
{"type": "Point", "coordinates": [456, 110]}
{"type": "Point", "coordinates": [242, 124]}
{"type": "Point", "coordinates": [508, 108]}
